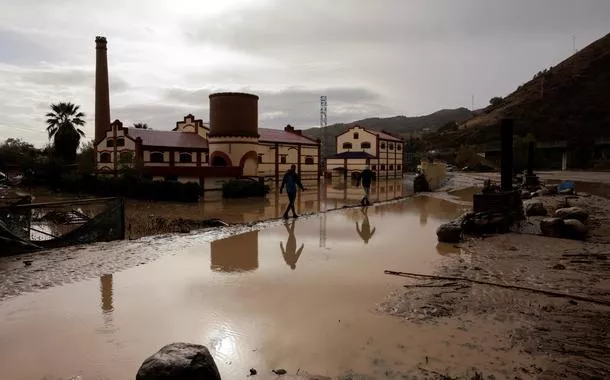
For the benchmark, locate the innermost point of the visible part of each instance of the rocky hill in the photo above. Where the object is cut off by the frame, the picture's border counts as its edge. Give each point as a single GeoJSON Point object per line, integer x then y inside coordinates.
{"type": "Point", "coordinates": [570, 101]}
{"type": "Point", "coordinates": [400, 126]}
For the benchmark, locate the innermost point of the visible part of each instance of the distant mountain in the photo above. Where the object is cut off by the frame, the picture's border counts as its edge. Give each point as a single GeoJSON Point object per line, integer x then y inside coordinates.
{"type": "Point", "coordinates": [568, 102]}
{"type": "Point", "coordinates": [400, 126]}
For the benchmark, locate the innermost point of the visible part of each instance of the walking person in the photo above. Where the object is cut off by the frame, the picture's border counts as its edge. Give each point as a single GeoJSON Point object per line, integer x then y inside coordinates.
{"type": "Point", "coordinates": [366, 177]}
{"type": "Point", "coordinates": [291, 180]}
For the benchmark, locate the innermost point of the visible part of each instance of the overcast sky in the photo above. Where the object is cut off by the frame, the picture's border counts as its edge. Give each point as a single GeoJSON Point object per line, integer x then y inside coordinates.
{"type": "Point", "coordinates": [370, 57]}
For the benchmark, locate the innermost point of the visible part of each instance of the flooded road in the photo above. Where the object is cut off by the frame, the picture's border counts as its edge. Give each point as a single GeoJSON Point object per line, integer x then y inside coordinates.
{"type": "Point", "coordinates": [296, 295]}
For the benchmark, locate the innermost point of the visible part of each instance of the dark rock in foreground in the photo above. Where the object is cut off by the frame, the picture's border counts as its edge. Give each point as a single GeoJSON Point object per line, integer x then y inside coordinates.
{"type": "Point", "coordinates": [574, 229]}
{"type": "Point", "coordinates": [184, 361]}
{"type": "Point", "coordinates": [450, 232]}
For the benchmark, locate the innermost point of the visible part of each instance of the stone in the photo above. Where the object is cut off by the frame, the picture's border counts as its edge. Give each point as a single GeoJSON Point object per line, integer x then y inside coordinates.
{"type": "Point", "coordinates": [280, 371]}
{"type": "Point", "coordinates": [574, 229]}
{"type": "Point", "coordinates": [450, 232]}
{"type": "Point", "coordinates": [420, 184]}
{"type": "Point", "coordinates": [572, 213]}
{"type": "Point", "coordinates": [559, 266]}
{"type": "Point", "coordinates": [534, 208]}
{"type": "Point", "coordinates": [525, 194]}
{"type": "Point", "coordinates": [185, 361]}
{"type": "Point", "coordinates": [552, 227]}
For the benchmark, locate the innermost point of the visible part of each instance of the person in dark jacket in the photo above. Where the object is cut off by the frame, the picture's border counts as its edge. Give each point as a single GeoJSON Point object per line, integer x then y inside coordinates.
{"type": "Point", "coordinates": [291, 181]}
{"type": "Point", "coordinates": [366, 178]}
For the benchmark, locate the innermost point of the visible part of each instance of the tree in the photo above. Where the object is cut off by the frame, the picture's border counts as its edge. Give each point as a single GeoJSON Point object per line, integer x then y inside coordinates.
{"type": "Point", "coordinates": [86, 158]}
{"type": "Point", "coordinates": [496, 101]}
{"type": "Point", "coordinates": [16, 152]}
{"type": "Point", "coordinates": [62, 126]}
{"type": "Point", "coordinates": [140, 125]}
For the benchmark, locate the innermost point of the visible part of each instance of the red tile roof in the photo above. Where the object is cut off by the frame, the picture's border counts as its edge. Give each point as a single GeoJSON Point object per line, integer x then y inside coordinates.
{"type": "Point", "coordinates": [386, 136]}
{"type": "Point", "coordinates": [278, 135]}
{"type": "Point", "coordinates": [167, 138]}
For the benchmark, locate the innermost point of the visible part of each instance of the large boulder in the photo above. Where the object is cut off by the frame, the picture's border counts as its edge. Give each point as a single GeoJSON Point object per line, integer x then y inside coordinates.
{"type": "Point", "coordinates": [420, 184]}
{"type": "Point", "coordinates": [185, 361]}
{"type": "Point", "coordinates": [534, 208]}
{"type": "Point", "coordinates": [450, 232]}
{"type": "Point", "coordinates": [552, 227]}
{"type": "Point", "coordinates": [574, 229]}
{"type": "Point", "coordinates": [572, 213]}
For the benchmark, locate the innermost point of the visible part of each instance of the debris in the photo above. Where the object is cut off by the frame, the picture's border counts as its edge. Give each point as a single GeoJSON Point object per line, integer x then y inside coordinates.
{"type": "Point", "coordinates": [574, 229]}
{"type": "Point", "coordinates": [28, 262]}
{"type": "Point", "coordinates": [552, 227]}
{"type": "Point", "coordinates": [541, 291]}
{"type": "Point", "coordinates": [559, 266]}
{"type": "Point", "coordinates": [450, 232]}
{"type": "Point", "coordinates": [279, 371]}
{"type": "Point", "coordinates": [253, 372]}
{"type": "Point", "coordinates": [534, 208]}
{"type": "Point", "coordinates": [572, 213]}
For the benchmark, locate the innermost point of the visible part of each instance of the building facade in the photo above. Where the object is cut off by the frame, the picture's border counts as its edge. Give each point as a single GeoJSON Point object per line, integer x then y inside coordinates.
{"type": "Point", "coordinates": [357, 146]}
{"type": "Point", "coordinates": [231, 146]}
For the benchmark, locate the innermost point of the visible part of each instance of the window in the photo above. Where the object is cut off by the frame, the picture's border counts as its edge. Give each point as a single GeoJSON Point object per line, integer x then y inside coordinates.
{"type": "Point", "coordinates": [391, 167]}
{"type": "Point", "coordinates": [109, 143]}
{"type": "Point", "coordinates": [374, 167]}
{"type": "Point", "coordinates": [356, 136]}
{"type": "Point", "coordinates": [185, 158]}
{"type": "Point", "coordinates": [365, 145]}
{"type": "Point", "coordinates": [309, 160]}
{"type": "Point", "coordinates": [120, 142]}
{"type": "Point", "coordinates": [382, 145]}
{"type": "Point", "coordinates": [391, 146]}
{"type": "Point", "coordinates": [125, 157]}
{"type": "Point", "coordinates": [260, 158]}
{"type": "Point", "coordinates": [105, 157]}
{"type": "Point", "coordinates": [382, 167]}
{"type": "Point", "coordinates": [398, 147]}
{"type": "Point", "coordinates": [347, 145]}
{"type": "Point", "coordinates": [156, 157]}
{"type": "Point", "coordinates": [282, 159]}
{"type": "Point", "coordinates": [398, 167]}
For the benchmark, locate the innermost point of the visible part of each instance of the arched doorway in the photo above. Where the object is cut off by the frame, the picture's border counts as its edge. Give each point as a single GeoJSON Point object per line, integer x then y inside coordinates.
{"type": "Point", "coordinates": [249, 164]}
{"type": "Point", "coordinates": [220, 159]}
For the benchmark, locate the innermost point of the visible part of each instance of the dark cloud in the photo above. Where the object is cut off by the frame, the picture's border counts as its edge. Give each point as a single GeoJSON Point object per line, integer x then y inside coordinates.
{"type": "Point", "coordinates": [312, 25]}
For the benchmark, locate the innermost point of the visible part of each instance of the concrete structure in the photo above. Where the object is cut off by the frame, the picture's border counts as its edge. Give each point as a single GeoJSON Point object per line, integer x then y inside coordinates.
{"type": "Point", "coordinates": [231, 146]}
{"type": "Point", "coordinates": [357, 145]}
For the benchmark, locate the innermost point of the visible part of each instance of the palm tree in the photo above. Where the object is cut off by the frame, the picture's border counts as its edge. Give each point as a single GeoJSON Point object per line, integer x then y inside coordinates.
{"type": "Point", "coordinates": [140, 125]}
{"type": "Point", "coordinates": [62, 126]}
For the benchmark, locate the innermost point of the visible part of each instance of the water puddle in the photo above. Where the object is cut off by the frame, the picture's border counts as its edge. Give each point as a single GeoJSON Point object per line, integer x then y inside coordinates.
{"type": "Point", "coordinates": [297, 295]}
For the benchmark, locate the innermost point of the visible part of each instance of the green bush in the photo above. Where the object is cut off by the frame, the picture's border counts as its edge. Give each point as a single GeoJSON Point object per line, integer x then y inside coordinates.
{"type": "Point", "coordinates": [244, 188]}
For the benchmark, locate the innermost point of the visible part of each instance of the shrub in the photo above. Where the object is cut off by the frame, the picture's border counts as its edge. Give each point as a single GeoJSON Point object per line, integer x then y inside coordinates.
{"type": "Point", "coordinates": [243, 188]}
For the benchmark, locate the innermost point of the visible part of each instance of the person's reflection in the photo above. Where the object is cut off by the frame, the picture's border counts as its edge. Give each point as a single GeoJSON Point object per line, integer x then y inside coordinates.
{"type": "Point", "coordinates": [365, 232]}
{"type": "Point", "coordinates": [291, 254]}
{"type": "Point", "coordinates": [106, 302]}
{"type": "Point", "coordinates": [421, 203]}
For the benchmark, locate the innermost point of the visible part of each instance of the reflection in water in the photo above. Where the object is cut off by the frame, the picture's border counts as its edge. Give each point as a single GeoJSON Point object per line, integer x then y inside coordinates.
{"type": "Point", "coordinates": [237, 253]}
{"type": "Point", "coordinates": [421, 203]}
{"type": "Point", "coordinates": [290, 253]}
{"type": "Point", "coordinates": [106, 301]}
{"type": "Point", "coordinates": [365, 233]}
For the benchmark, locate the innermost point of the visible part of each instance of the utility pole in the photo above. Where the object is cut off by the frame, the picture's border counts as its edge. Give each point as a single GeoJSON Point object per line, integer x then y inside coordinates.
{"type": "Point", "coordinates": [472, 103]}
{"type": "Point", "coordinates": [322, 189]}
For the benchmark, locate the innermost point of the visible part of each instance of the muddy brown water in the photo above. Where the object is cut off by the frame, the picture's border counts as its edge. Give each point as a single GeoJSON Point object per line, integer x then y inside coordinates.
{"type": "Point", "coordinates": [299, 295]}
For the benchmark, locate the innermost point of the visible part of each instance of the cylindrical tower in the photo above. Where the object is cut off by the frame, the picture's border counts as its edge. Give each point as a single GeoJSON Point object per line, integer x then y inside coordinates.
{"type": "Point", "coordinates": [233, 114]}
{"type": "Point", "coordinates": [102, 93]}
{"type": "Point", "coordinates": [233, 137]}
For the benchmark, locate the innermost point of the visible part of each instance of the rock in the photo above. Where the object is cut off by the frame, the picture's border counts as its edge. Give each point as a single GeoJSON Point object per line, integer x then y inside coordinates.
{"type": "Point", "coordinates": [183, 361]}
{"type": "Point", "coordinates": [534, 208]}
{"type": "Point", "coordinates": [552, 227]}
{"type": "Point", "coordinates": [253, 372]}
{"type": "Point", "coordinates": [559, 266]}
{"type": "Point", "coordinates": [420, 184]}
{"type": "Point", "coordinates": [572, 213]}
{"type": "Point", "coordinates": [525, 194]}
{"type": "Point", "coordinates": [449, 232]}
{"type": "Point", "coordinates": [279, 371]}
{"type": "Point", "coordinates": [28, 262]}
{"type": "Point", "coordinates": [574, 229]}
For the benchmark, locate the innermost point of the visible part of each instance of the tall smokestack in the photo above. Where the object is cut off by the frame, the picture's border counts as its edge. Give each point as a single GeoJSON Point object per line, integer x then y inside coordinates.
{"type": "Point", "coordinates": [102, 93]}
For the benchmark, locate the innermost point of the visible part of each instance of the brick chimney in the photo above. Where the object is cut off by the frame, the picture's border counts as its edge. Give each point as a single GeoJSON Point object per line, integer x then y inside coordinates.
{"type": "Point", "coordinates": [289, 128]}
{"type": "Point", "coordinates": [102, 93]}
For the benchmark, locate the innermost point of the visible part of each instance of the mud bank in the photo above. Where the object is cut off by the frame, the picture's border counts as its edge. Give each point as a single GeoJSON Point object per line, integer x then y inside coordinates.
{"type": "Point", "coordinates": [516, 333]}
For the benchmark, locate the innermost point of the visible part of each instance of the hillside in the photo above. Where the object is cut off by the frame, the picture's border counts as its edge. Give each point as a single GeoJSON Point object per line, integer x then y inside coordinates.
{"type": "Point", "coordinates": [401, 126]}
{"type": "Point", "coordinates": [570, 101]}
